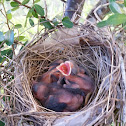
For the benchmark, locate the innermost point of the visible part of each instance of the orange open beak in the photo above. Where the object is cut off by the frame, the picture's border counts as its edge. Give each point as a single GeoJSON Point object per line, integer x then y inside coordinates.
{"type": "Point", "coordinates": [65, 68]}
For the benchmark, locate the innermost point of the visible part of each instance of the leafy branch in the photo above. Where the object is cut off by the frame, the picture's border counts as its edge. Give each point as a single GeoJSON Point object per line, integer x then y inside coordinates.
{"type": "Point", "coordinates": [35, 11]}
{"type": "Point", "coordinates": [22, 4]}
{"type": "Point", "coordinates": [118, 14]}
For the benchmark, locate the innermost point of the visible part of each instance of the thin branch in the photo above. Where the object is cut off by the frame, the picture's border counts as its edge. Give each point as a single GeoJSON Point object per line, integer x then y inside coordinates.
{"type": "Point", "coordinates": [13, 50]}
{"type": "Point", "coordinates": [2, 13]}
{"type": "Point", "coordinates": [6, 16]}
{"type": "Point", "coordinates": [46, 9]}
{"type": "Point", "coordinates": [76, 15]}
{"type": "Point", "coordinates": [95, 11]}
{"type": "Point", "coordinates": [124, 88]}
{"type": "Point", "coordinates": [99, 11]}
{"type": "Point", "coordinates": [26, 6]}
{"type": "Point", "coordinates": [74, 8]}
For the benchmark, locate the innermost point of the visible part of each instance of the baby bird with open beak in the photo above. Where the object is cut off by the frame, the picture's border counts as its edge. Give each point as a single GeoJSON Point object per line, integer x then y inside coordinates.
{"type": "Point", "coordinates": [75, 77]}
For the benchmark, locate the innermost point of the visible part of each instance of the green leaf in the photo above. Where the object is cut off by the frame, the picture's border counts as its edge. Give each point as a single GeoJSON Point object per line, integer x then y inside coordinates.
{"type": "Point", "coordinates": [14, 4]}
{"type": "Point", "coordinates": [1, 61]}
{"type": "Point", "coordinates": [9, 11]}
{"type": "Point", "coordinates": [55, 22]}
{"type": "Point", "coordinates": [102, 24]}
{"type": "Point", "coordinates": [46, 23]}
{"type": "Point", "coordinates": [17, 26]}
{"type": "Point", "coordinates": [19, 38]}
{"type": "Point", "coordinates": [9, 37]}
{"type": "Point", "coordinates": [34, 14]}
{"type": "Point", "coordinates": [6, 52]}
{"type": "Point", "coordinates": [114, 7]}
{"type": "Point", "coordinates": [15, 8]}
{"type": "Point", "coordinates": [26, 22]}
{"type": "Point", "coordinates": [114, 20]}
{"type": "Point", "coordinates": [39, 9]}
{"type": "Point", "coordinates": [7, 0]}
{"type": "Point", "coordinates": [29, 14]}
{"type": "Point", "coordinates": [67, 23]}
{"type": "Point", "coordinates": [1, 36]}
{"type": "Point", "coordinates": [2, 123]}
{"type": "Point", "coordinates": [25, 2]}
{"type": "Point", "coordinates": [36, 1]}
{"type": "Point", "coordinates": [125, 3]}
{"type": "Point", "coordinates": [31, 22]}
{"type": "Point", "coordinates": [9, 15]}
{"type": "Point", "coordinates": [4, 98]}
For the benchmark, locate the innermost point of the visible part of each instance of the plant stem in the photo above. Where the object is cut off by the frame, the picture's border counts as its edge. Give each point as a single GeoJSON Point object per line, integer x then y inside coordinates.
{"type": "Point", "coordinates": [6, 16]}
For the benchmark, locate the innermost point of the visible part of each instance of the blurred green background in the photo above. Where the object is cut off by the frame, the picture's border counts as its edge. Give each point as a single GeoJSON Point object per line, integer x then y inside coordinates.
{"type": "Point", "coordinates": [55, 8]}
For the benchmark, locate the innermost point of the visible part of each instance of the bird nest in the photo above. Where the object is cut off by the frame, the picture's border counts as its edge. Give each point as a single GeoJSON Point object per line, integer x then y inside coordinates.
{"type": "Point", "coordinates": [88, 46]}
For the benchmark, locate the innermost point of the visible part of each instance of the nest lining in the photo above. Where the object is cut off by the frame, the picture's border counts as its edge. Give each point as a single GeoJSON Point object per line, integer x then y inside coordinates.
{"type": "Point", "coordinates": [90, 48]}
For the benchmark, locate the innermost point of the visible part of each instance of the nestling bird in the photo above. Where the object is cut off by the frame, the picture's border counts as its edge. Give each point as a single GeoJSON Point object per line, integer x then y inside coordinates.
{"type": "Point", "coordinates": [75, 77]}
{"type": "Point", "coordinates": [56, 63]}
{"type": "Point", "coordinates": [80, 81]}
{"type": "Point", "coordinates": [63, 87]}
{"type": "Point", "coordinates": [64, 100]}
{"type": "Point", "coordinates": [70, 68]}
{"type": "Point", "coordinates": [57, 98]}
{"type": "Point", "coordinates": [40, 91]}
{"type": "Point", "coordinates": [53, 74]}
